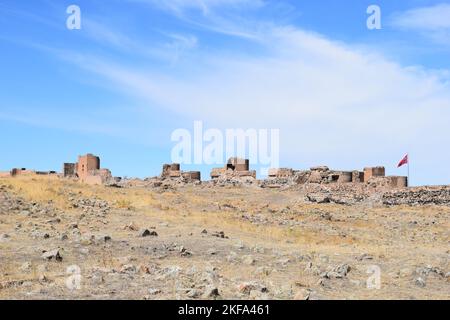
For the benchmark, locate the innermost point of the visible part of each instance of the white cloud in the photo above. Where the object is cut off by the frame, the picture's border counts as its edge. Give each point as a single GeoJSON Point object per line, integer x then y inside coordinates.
{"type": "Point", "coordinates": [219, 16]}
{"type": "Point", "coordinates": [431, 21]}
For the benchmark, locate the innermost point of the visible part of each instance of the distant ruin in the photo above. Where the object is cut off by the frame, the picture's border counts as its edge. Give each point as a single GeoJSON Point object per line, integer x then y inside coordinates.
{"type": "Point", "coordinates": [323, 175]}
{"type": "Point", "coordinates": [26, 172]}
{"type": "Point", "coordinates": [234, 168]}
{"type": "Point", "coordinates": [236, 171]}
{"type": "Point", "coordinates": [87, 170]}
{"type": "Point", "coordinates": [173, 171]}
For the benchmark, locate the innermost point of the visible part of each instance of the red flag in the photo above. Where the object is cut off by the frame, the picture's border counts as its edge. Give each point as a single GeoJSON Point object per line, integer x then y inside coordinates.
{"type": "Point", "coordinates": [403, 161]}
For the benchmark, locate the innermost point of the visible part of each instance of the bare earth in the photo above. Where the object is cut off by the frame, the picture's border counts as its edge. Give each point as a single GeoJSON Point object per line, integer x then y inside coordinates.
{"type": "Point", "coordinates": [212, 243]}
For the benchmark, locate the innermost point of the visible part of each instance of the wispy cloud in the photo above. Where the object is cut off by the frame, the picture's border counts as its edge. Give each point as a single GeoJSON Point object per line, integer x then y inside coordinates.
{"type": "Point", "coordinates": [433, 21]}
{"type": "Point", "coordinates": [309, 86]}
{"type": "Point", "coordinates": [206, 6]}
{"type": "Point", "coordinates": [220, 16]}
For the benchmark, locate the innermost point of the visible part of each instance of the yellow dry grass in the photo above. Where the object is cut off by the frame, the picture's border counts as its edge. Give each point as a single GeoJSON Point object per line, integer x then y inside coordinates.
{"type": "Point", "coordinates": [44, 189]}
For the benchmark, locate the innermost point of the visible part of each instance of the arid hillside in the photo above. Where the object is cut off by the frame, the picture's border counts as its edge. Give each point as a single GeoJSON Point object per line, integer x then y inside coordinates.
{"type": "Point", "coordinates": [60, 239]}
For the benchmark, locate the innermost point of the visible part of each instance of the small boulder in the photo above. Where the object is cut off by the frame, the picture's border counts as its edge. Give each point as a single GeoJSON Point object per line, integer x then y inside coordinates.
{"type": "Point", "coordinates": [420, 282]}
{"type": "Point", "coordinates": [147, 233]}
{"type": "Point", "coordinates": [52, 255]}
{"type": "Point", "coordinates": [211, 292]}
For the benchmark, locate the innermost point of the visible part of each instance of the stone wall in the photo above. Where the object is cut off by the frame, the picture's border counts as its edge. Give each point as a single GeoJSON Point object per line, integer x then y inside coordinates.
{"type": "Point", "coordinates": [374, 176]}
{"type": "Point", "coordinates": [439, 195]}
{"type": "Point", "coordinates": [235, 168]}
{"type": "Point", "coordinates": [69, 169]}
{"type": "Point", "coordinates": [370, 172]}
{"type": "Point", "coordinates": [21, 172]}
{"type": "Point", "coordinates": [86, 164]}
{"type": "Point", "coordinates": [173, 171]}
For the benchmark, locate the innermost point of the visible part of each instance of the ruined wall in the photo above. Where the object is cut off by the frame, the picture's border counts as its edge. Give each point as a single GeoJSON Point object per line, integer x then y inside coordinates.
{"type": "Point", "coordinates": [238, 164]}
{"type": "Point", "coordinates": [357, 176]}
{"type": "Point", "coordinates": [69, 169]}
{"type": "Point", "coordinates": [281, 173]}
{"type": "Point", "coordinates": [398, 182]}
{"type": "Point", "coordinates": [438, 195]}
{"type": "Point", "coordinates": [97, 176]}
{"type": "Point", "coordinates": [373, 172]}
{"type": "Point", "coordinates": [343, 176]}
{"type": "Point", "coordinates": [86, 164]}
{"type": "Point", "coordinates": [92, 180]}
{"type": "Point", "coordinates": [21, 171]}
{"type": "Point", "coordinates": [234, 168]}
{"type": "Point", "coordinates": [173, 171]}
{"type": "Point", "coordinates": [192, 175]}
{"type": "Point", "coordinates": [374, 176]}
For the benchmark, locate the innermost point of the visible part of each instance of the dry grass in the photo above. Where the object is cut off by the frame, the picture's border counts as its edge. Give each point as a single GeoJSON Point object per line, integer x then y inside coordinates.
{"type": "Point", "coordinates": [44, 189]}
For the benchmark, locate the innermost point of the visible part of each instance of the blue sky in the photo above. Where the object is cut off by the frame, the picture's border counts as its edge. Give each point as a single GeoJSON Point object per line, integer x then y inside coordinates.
{"type": "Point", "coordinates": [341, 95]}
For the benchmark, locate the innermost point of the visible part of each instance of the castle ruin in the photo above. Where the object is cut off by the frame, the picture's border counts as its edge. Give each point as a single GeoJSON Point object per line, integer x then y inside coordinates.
{"type": "Point", "coordinates": [234, 168]}
{"type": "Point", "coordinates": [87, 170]}
{"type": "Point", "coordinates": [323, 175]}
{"type": "Point", "coordinates": [173, 171]}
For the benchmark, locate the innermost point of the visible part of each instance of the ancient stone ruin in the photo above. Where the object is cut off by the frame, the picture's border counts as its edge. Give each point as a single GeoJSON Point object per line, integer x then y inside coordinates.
{"type": "Point", "coordinates": [323, 175]}
{"type": "Point", "coordinates": [234, 169]}
{"type": "Point", "coordinates": [21, 172]}
{"type": "Point", "coordinates": [26, 172]}
{"type": "Point", "coordinates": [87, 170]}
{"type": "Point", "coordinates": [173, 171]}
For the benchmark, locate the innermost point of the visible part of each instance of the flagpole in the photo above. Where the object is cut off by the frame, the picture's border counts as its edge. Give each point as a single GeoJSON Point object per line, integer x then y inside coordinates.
{"type": "Point", "coordinates": [409, 181]}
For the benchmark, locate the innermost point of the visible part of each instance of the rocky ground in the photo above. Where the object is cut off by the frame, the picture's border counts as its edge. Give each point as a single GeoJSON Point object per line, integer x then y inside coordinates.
{"type": "Point", "coordinates": [63, 240]}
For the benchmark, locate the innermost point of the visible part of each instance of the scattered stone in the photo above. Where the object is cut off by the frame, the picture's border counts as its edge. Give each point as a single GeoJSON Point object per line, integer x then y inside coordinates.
{"type": "Point", "coordinates": [219, 234]}
{"type": "Point", "coordinates": [212, 252]}
{"type": "Point", "coordinates": [193, 293]}
{"type": "Point", "coordinates": [73, 225]}
{"type": "Point", "coordinates": [338, 272]}
{"type": "Point", "coordinates": [147, 233]}
{"type": "Point", "coordinates": [184, 252]}
{"type": "Point", "coordinates": [248, 287]}
{"type": "Point", "coordinates": [4, 237]}
{"type": "Point", "coordinates": [52, 255]}
{"type": "Point", "coordinates": [420, 282]}
{"type": "Point", "coordinates": [103, 238]}
{"type": "Point", "coordinates": [427, 270]}
{"type": "Point", "coordinates": [211, 292]}
{"type": "Point", "coordinates": [128, 268]}
{"type": "Point", "coordinates": [154, 291]}
{"type": "Point", "coordinates": [131, 227]}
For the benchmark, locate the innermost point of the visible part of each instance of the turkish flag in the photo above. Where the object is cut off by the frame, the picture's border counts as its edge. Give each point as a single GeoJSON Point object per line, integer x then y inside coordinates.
{"type": "Point", "coordinates": [403, 161]}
